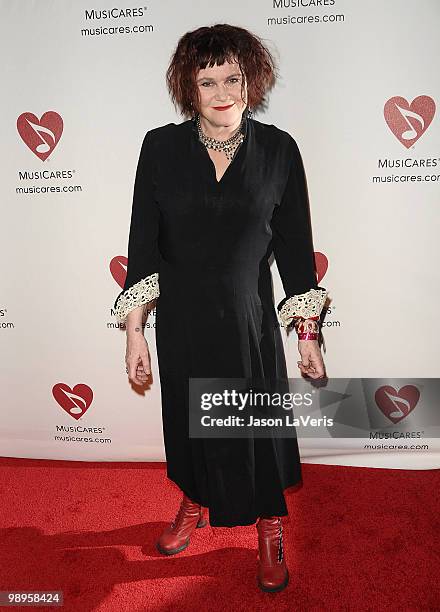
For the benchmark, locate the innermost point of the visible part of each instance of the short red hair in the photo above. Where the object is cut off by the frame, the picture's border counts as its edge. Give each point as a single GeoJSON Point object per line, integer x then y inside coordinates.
{"type": "Point", "coordinates": [216, 44]}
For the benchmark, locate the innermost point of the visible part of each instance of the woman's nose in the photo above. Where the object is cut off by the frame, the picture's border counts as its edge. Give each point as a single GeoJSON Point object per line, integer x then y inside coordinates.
{"type": "Point", "coordinates": [221, 93]}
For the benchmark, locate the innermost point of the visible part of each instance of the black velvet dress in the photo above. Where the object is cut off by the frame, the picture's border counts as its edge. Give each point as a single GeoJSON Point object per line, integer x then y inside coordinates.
{"type": "Point", "coordinates": [200, 248]}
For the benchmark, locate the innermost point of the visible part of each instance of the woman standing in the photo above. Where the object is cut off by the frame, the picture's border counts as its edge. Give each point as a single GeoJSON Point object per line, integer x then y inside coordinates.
{"type": "Point", "coordinates": [214, 197]}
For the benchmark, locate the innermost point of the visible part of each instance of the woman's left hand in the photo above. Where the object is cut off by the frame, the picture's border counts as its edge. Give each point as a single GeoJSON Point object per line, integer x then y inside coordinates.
{"type": "Point", "coordinates": [311, 362]}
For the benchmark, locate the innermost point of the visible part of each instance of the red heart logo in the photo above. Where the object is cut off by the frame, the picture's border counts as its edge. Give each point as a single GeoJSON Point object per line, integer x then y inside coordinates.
{"type": "Point", "coordinates": [40, 135]}
{"type": "Point", "coordinates": [74, 401]}
{"type": "Point", "coordinates": [409, 121]}
{"type": "Point", "coordinates": [118, 269]}
{"type": "Point", "coordinates": [397, 405]}
{"type": "Point", "coordinates": [321, 263]}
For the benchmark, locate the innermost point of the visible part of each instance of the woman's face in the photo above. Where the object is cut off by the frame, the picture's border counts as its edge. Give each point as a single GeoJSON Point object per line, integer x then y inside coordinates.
{"type": "Point", "coordinates": [220, 87]}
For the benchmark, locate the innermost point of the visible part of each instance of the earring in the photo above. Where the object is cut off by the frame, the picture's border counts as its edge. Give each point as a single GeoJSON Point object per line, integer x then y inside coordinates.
{"type": "Point", "coordinates": [249, 113]}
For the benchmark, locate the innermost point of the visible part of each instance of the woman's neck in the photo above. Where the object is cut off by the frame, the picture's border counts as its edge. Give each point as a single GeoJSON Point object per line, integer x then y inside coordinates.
{"type": "Point", "coordinates": [219, 132]}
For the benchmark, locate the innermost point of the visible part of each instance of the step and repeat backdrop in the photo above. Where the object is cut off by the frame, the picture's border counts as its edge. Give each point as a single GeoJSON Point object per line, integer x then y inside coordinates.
{"type": "Point", "coordinates": [358, 90]}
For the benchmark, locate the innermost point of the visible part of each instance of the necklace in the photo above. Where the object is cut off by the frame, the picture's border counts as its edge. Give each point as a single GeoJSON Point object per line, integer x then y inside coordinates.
{"type": "Point", "coordinates": [228, 146]}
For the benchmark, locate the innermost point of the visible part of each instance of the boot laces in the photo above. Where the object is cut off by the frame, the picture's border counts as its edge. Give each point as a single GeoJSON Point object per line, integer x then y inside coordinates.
{"type": "Point", "coordinates": [280, 544]}
{"type": "Point", "coordinates": [178, 517]}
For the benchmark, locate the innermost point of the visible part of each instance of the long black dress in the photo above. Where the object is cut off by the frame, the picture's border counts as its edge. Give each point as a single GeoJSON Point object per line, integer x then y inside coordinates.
{"type": "Point", "coordinates": [201, 247]}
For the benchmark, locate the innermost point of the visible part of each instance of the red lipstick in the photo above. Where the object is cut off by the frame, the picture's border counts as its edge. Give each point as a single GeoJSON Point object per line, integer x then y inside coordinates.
{"type": "Point", "coordinates": [222, 108]}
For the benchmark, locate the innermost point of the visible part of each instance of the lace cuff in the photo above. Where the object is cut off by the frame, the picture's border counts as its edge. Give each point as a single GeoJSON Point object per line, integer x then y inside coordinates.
{"type": "Point", "coordinates": [304, 305]}
{"type": "Point", "coordinates": [146, 290]}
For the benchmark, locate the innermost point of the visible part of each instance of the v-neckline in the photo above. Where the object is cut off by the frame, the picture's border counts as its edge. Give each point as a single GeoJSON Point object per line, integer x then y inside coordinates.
{"type": "Point", "coordinates": [219, 181]}
{"type": "Point", "coordinates": [237, 153]}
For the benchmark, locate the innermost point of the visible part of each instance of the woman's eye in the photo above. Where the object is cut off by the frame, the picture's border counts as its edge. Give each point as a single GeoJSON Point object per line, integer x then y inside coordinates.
{"type": "Point", "coordinates": [232, 81]}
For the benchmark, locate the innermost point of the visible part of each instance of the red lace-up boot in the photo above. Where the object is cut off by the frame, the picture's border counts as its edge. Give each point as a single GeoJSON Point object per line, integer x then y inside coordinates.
{"type": "Point", "coordinates": [175, 537]}
{"type": "Point", "coordinates": [273, 574]}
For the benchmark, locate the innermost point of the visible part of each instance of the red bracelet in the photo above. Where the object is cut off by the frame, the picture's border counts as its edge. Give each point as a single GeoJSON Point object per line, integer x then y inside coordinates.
{"type": "Point", "coordinates": [308, 336]}
{"type": "Point", "coordinates": [307, 329]}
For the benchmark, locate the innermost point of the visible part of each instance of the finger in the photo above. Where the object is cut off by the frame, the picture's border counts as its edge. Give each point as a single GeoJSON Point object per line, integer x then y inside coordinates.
{"type": "Point", "coordinates": [318, 366]}
{"type": "Point", "coordinates": [138, 381]}
{"type": "Point", "coordinates": [317, 372]}
{"type": "Point", "coordinates": [133, 373]}
{"type": "Point", "coordinates": [140, 373]}
{"type": "Point", "coordinates": [310, 371]}
{"type": "Point", "coordinates": [131, 370]}
{"type": "Point", "coordinates": [320, 372]}
{"type": "Point", "coordinates": [303, 369]}
{"type": "Point", "coordinates": [305, 362]}
{"type": "Point", "coordinates": [145, 359]}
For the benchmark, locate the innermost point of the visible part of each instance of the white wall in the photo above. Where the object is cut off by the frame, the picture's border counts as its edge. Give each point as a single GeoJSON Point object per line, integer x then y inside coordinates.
{"type": "Point", "coordinates": [58, 250]}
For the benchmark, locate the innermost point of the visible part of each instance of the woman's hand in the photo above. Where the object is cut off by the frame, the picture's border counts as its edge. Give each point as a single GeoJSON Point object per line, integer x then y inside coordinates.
{"type": "Point", "coordinates": [311, 362]}
{"type": "Point", "coordinates": [137, 359]}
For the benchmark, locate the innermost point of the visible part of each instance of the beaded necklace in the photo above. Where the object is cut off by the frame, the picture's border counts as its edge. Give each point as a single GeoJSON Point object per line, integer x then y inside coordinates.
{"type": "Point", "coordinates": [228, 146]}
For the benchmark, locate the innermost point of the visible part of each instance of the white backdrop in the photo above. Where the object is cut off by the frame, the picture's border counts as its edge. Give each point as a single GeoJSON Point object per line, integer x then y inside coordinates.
{"type": "Point", "coordinates": [358, 91]}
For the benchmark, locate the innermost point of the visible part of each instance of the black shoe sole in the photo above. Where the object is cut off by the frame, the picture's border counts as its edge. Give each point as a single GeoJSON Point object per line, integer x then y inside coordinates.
{"type": "Point", "coordinates": [274, 589]}
{"type": "Point", "coordinates": [174, 551]}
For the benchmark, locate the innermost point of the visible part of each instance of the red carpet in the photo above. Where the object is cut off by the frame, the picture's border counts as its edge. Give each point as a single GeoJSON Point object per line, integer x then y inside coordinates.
{"type": "Point", "coordinates": [356, 539]}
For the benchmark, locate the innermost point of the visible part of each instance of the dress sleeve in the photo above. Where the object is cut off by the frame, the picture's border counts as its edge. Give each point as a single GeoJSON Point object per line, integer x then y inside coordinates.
{"type": "Point", "coordinates": [293, 247]}
{"type": "Point", "coordinates": [142, 281]}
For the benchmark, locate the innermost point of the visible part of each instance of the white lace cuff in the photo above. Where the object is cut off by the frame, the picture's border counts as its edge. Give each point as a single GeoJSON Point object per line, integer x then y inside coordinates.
{"type": "Point", "coordinates": [144, 291]}
{"type": "Point", "coordinates": [304, 305]}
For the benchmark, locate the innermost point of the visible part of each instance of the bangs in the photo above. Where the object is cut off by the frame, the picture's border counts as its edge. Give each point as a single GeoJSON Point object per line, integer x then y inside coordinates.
{"type": "Point", "coordinates": [216, 52]}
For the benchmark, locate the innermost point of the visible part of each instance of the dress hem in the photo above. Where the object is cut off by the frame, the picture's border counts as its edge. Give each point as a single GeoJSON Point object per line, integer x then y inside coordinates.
{"type": "Point", "coordinates": [289, 488]}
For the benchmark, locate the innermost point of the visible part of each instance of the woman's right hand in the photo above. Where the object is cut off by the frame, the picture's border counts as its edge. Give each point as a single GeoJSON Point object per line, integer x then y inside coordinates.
{"type": "Point", "coordinates": [137, 359]}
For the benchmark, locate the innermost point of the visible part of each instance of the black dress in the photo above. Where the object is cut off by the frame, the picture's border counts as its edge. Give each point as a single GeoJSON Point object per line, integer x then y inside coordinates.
{"type": "Point", "coordinates": [200, 247]}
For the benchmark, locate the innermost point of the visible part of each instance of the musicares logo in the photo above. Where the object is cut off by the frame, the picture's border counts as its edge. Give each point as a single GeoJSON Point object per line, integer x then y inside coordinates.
{"type": "Point", "coordinates": [321, 263]}
{"type": "Point", "coordinates": [409, 121]}
{"type": "Point", "coordinates": [40, 135]}
{"type": "Point", "coordinates": [118, 269]}
{"type": "Point", "coordinates": [397, 405]}
{"type": "Point", "coordinates": [74, 401]}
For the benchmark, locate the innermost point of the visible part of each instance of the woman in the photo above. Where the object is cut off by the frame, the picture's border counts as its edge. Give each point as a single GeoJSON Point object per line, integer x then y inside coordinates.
{"type": "Point", "coordinates": [214, 196]}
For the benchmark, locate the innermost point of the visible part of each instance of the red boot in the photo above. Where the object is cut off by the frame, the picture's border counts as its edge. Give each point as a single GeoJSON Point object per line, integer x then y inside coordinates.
{"type": "Point", "coordinates": [175, 537]}
{"type": "Point", "coordinates": [273, 574]}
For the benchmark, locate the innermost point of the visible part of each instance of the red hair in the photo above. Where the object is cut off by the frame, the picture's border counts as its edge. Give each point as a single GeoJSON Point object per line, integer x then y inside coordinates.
{"type": "Point", "coordinates": [216, 44]}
